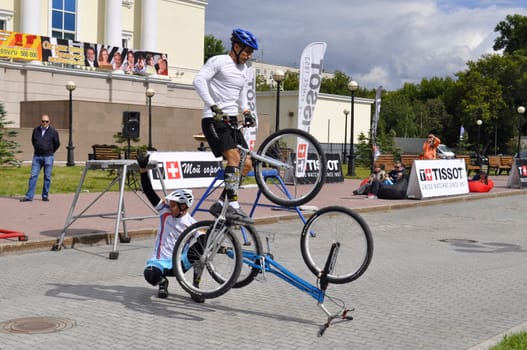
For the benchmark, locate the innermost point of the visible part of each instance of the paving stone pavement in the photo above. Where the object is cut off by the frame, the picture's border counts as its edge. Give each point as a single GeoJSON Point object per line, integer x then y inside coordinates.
{"type": "Point", "coordinates": [420, 291]}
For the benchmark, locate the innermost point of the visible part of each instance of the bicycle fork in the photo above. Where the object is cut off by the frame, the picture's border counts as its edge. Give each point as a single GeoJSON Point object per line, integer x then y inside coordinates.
{"type": "Point", "coordinates": [328, 268]}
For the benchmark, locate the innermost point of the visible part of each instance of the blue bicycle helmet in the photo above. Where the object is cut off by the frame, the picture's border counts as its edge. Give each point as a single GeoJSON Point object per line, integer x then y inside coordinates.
{"type": "Point", "coordinates": [244, 37]}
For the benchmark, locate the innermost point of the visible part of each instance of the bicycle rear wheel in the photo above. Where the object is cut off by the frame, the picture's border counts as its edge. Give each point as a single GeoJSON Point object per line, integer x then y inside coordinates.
{"type": "Point", "coordinates": [337, 225]}
{"type": "Point", "coordinates": [196, 271]}
{"type": "Point", "coordinates": [252, 250]}
{"type": "Point", "coordinates": [283, 185]}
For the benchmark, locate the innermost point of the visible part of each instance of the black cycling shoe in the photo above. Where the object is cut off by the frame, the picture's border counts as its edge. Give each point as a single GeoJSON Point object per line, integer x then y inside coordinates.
{"type": "Point", "coordinates": [163, 288]}
{"type": "Point", "coordinates": [234, 214]}
{"type": "Point", "coordinates": [237, 214]}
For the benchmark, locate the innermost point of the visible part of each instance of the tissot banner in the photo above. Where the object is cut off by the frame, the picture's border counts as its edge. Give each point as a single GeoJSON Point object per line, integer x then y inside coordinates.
{"type": "Point", "coordinates": [433, 178]}
{"type": "Point", "coordinates": [250, 91]}
{"type": "Point", "coordinates": [376, 152]}
{"type": "Point", "coordinates": [311, 68]}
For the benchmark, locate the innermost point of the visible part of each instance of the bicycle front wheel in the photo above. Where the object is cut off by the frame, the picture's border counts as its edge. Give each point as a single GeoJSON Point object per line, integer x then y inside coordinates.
{"type": "Point", "coordinates": [337, 225]}
{"type": "Point", "coordinates": [197, 266]}
{"type": "Point", "coordinates": [295, 170]}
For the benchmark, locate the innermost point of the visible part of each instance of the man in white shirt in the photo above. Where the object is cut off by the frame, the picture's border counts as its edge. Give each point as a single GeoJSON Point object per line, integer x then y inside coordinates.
{"type": "Point", "coordinates": [221, 84]}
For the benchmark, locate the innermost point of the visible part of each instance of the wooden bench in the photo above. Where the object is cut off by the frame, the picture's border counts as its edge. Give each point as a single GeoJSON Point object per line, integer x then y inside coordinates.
{"type": "Point", "coordinates": [387, 160]}
{"type": "Point", "coordinates": [408, 160]}
{"type": "Point", "coordinates": [505, 164]}
{"type": "Point", "coordinates": [494, 164]}
{"type": "Point", "coordinates": [106, 152]}
{"type": "Point", "coordinates": [468, 164]}
{"type": "Point", "coordinates": [130, 155]}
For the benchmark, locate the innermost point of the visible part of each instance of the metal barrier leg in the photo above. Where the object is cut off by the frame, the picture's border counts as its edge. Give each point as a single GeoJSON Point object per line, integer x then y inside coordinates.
{"type": "Point", "coordinates": [124, 238]}
{"type": "Point", "coordinates": [69, 221]}
{"type": "Point", "coordinates": [114, 254]}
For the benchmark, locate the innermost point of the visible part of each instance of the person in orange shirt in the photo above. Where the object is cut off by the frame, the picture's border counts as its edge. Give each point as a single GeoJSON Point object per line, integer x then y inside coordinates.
{"type": "Point", "coordinates": [430, 147]}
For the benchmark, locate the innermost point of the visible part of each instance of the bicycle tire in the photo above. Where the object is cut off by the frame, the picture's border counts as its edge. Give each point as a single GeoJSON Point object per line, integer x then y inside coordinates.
{"type": "Point", "coordinates": [188, 259]}
{"type": "Point", "coordinates": [251, 243]}
{"type": "Point", "coordinates": [337, 224]}
{"type": "Point", "coordinates": [251, 246]}
{"type": "Point", "coordinates": [300, 190]}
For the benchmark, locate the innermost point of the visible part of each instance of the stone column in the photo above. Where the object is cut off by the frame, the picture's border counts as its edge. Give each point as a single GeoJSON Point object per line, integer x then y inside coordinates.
{"type": "Point", "coordinates": [149, 25]}
{"type": "Point", "coordinates": [30, 17]}
{"type": "Point", "coordinates": [113, 25]}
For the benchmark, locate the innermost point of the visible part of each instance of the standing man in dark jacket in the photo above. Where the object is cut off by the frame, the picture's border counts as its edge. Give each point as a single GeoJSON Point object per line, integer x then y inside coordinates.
{"type": "Point", "coordinates": [45, 140]}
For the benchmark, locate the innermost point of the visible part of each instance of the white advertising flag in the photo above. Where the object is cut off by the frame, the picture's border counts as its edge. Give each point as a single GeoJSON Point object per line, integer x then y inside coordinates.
{"type": "Point", "coordinates": [250, 133]}
{"type": "Point", "coordinates": [311, 68]}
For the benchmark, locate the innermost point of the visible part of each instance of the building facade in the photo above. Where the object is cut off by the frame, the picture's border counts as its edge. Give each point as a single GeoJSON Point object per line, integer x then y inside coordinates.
{"type": "Point", "coordinates": [171, 29]}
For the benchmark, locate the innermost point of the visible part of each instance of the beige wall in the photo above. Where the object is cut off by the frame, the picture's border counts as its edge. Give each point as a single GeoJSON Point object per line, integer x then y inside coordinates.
{"type": "Point", "coordinates": [328, 107]}
{"type": "Point", "coordinates": [97, 122]}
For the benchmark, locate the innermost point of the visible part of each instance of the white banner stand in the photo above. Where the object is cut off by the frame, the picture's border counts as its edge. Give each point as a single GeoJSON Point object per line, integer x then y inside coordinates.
{"type": "Point", "coordinates": [434, 178]}
{"type": "Point", "coordinates": [185, 169]}
{"type": "Point", "coordinates": [518, 174]}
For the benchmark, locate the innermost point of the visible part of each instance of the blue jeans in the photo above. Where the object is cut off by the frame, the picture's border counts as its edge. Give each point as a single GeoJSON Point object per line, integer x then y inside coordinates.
{"type": "Point", "coordinates": [36, 165]}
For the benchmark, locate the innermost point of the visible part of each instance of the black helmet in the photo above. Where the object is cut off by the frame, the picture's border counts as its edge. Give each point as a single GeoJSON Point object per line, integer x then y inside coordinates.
{"type": "Point", "coordinates": [244, 37]}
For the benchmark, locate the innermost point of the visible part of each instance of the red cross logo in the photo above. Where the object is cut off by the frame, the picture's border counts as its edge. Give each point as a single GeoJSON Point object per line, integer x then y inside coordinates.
{"type": "Point", "coordinates": [173, 170]}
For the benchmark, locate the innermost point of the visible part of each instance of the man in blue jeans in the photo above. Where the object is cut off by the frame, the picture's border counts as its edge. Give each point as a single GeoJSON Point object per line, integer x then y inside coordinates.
{"type": "Point", "coordinates": [45, 140]}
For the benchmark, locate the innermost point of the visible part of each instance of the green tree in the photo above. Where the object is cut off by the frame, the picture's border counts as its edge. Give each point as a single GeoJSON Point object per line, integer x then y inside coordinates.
{"type": "Point", "coordinates": [338, 85]}
{"type": "Point", "coordinates": [8, 146]}
{"type": "Point", "coordinates": [513, 34]}
{"type": "Point", "coordinates": [213, 47]}
{"type": "Point", "coordinates": [291, 81]}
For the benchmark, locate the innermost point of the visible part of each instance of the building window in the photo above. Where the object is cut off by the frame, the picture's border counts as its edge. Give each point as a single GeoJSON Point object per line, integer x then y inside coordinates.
{"type": "Point", "coordinates": [6, 22]}
{"type": "Point", "coordinates": [63, 19]}
{"type": "Point", "coordinates": [126, 40]}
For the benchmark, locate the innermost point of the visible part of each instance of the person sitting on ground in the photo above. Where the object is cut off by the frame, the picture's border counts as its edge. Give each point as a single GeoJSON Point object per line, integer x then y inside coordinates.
{"type": "Point", "coordinates": [378, 174]}
{"type": "Point", "coordinates": [364, 185]}
{"type": "Point", "coordinates": [174, 219]}
{"type": "Point", "coordinates": [378, 184]}
{"type": "Point", "coordinates": [480, 183]}
{"type": "Point", "coordinates": [397, 190]}
{"type": "Point", "coordinates": [481, 176]}
{"type": "Point", "coordinates": [398, 167]}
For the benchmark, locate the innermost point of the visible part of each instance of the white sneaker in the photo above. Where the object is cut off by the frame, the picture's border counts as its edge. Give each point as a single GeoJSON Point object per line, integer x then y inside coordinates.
{"type": "Point", "coordinates": [372, 196]}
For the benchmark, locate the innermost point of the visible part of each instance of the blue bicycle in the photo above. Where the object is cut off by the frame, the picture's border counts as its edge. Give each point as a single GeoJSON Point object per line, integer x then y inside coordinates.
{"type": "Point", "coordinates": [336, 245]}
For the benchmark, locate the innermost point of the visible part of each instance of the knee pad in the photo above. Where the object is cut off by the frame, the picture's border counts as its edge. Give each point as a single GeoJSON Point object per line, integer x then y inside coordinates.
{"type": "Point", "coordinates": [152, 275]}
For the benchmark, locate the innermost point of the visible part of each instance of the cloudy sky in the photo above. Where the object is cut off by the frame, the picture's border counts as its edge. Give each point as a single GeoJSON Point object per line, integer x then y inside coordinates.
{"type": "Point", "coordinates": [376, 42]}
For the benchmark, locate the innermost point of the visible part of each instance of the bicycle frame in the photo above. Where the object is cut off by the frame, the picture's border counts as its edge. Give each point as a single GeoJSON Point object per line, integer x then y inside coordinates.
{"type": "Point", "coordinates": [266, 263]}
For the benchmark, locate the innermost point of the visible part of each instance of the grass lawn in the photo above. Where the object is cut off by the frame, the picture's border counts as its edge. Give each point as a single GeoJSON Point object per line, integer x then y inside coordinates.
{"type": "Point", "coordinates": [516, 341]}
{"type": "Point", "coordinates": [65, 179]}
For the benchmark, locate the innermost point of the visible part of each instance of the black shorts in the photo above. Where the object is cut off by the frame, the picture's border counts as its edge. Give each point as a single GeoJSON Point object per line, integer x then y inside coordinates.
{"type": "Point", "coordinates": [220, 136]}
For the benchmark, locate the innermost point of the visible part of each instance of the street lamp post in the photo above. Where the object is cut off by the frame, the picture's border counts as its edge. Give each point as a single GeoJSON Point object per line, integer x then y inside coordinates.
{"type": "Point", "coordinates": [278, 76]}
{"type": "Point", "coordinates": [521, 110]}
{"type": "Point", "coordinates": [352, 86]}
{"type": "Point", "coordinates": [149, 94]}
{"type": "Point", "coordinates": [345, 153]}
{"type": "Point", "coordinates": [479, 122]}
{"type": "Point", "coordinates": [70, 86]}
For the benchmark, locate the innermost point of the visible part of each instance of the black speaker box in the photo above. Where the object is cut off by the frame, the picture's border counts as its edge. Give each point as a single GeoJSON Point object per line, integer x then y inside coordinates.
{"type": "Point", "coordinates": [131, 124]}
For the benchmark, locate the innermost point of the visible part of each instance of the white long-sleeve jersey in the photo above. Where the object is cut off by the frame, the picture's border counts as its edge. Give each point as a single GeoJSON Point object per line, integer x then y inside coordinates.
{"type": "Point", "coordinates": [167, 234]}
{"type": "Point", "coordinates": [222, 82]}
